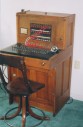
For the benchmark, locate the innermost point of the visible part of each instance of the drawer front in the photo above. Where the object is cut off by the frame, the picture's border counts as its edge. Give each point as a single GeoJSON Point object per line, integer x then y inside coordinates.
{"type": "Point", "coordinates": [38, 63]}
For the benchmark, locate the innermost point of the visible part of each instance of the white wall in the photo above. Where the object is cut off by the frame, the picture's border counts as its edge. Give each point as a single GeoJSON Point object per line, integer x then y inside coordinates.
{"type": "Point", "coordinates": [8, 29]}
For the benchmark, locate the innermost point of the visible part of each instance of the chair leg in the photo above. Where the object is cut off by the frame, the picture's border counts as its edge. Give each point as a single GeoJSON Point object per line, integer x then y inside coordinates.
{"type": "Point", "coordinates": [37, 116]}
{"type": "Point", "coordinates": [23, 111]}
{"type": "Point", "coordinates": [17, 112]}
{"type": "Point", "coordinates": [11, 99]}
{"type": "Point", "coordinates": [12, 116]}
{"type": "Point", "coordinates": [28, 110]}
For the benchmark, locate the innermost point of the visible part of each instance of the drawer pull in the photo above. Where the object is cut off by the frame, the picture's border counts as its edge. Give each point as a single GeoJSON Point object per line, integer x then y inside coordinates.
{"type": "Point", "coordinates": [43, 63]}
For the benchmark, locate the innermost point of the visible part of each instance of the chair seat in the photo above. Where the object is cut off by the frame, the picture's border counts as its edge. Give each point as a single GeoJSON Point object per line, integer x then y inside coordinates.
{"type": "Point", "coordinates": [18, 87]}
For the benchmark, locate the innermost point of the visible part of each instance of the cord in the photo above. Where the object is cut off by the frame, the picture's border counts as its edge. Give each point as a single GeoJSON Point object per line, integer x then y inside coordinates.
{"type": "Point", "coordinates": [3, 70]}
{"type": "Point", "coordinates": [1, 83]}
{"type": "Point", "coordinates": [70, 100]}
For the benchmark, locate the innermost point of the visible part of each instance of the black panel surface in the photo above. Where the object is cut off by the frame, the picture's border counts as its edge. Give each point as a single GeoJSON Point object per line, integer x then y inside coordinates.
{"type": "Point", "coordinates": [22, 50]}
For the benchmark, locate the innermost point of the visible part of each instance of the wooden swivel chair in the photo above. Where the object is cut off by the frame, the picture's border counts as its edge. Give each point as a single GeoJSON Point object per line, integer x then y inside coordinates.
{"type": "Point", "coordinates": [21, 87]}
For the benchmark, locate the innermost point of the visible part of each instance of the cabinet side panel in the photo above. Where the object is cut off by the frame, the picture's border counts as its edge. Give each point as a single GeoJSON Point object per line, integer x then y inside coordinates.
{"type": "Point", "coordinates": [63, 82]}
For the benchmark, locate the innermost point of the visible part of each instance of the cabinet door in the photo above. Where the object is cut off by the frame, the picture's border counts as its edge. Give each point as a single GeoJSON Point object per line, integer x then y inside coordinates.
{"type": "Point", "coordinates": [42, 77]}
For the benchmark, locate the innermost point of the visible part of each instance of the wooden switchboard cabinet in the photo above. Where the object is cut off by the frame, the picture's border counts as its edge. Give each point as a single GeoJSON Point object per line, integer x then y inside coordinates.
{"type": "Point", "coordinates": [55, 72]}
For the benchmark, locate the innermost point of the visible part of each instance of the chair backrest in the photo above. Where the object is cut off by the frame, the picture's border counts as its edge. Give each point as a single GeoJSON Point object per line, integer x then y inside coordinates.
{"type": "Point", "coordinates": [16, 62]}
{"type": "Point", "coordinates": [12, 61]}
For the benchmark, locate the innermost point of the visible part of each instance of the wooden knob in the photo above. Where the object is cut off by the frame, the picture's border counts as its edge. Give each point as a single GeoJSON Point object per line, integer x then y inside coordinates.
{"type": "Point", "coordinates": [43, 63]}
